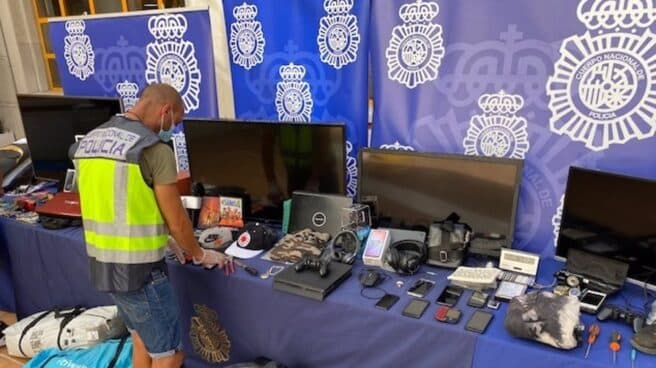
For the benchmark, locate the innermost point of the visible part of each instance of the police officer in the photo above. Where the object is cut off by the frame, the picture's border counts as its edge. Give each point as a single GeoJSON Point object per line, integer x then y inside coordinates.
{"type": "Point", "coordinates": [130, 204]}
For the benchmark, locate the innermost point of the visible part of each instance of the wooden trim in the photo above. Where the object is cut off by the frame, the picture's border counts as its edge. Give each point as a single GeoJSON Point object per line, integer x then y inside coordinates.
{"type": "Point", "coordinates": [92, 7]}
{"type": "Point", "coordinates": [160, 4]}
{"type": "Point", "coordinates": [57, 89]}
{"type": "Point", "coordinates": [124, 5]}
{"type": "Point", "coordinates": [50, 55]}
{"type": "Point", "coordinates": [42, 20]}
{"type": "Point", "coordinates": [43, 44]}
{"type": "Point", "coordinates": [62, 7]}
{"type": "Point", "coordinates": [120, 14]}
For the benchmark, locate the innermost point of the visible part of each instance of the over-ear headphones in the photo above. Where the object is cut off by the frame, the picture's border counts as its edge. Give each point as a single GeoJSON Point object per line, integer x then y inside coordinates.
{"type": "Point", "coordinates": [406, 256]}
{"type": "Point", "coordinates": [344, 246]}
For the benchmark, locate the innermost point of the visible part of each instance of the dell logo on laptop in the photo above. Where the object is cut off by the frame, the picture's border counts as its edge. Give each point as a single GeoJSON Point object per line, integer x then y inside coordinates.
{"type": "Point", "coordinates": [319, 219]}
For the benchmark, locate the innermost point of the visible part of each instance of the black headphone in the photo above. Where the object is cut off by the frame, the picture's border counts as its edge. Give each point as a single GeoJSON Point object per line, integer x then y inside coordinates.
{"type": "Point", "coordinates": [344, 246]}
{"type": "Point", "coordinates": [406, 256]}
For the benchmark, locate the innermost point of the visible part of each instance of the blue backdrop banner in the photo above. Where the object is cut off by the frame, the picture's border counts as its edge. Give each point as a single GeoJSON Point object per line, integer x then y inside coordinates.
{"type": "Point", "coordinates": [119, 55]}
{"type": "Point", "coordinates": [556, 83]}
{"type": "Point", "coordinates": [302, 61]}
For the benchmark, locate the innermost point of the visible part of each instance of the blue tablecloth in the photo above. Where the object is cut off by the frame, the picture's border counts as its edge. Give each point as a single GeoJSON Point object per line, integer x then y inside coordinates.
{"type": "Point", "coordinates": [50, 270]}
{"type": "Point", "coordinates": [7, 302]}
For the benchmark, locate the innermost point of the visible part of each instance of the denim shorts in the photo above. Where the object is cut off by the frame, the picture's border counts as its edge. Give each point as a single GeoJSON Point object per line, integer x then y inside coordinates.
{"type": "Point", "coordinates": [153, 313]}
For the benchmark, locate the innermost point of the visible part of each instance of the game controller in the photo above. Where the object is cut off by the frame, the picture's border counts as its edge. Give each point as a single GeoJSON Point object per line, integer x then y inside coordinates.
{"type": "Point", "coordinates": [314, 264]}
{"type": "Point", "coordinates": [636, 320]}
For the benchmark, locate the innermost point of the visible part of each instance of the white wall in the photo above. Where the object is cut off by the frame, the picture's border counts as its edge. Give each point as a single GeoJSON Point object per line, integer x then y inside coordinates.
{"type": "Point", "coordinates": [22, 68]}
{"type": "Point", "coordinates": [9, 115]}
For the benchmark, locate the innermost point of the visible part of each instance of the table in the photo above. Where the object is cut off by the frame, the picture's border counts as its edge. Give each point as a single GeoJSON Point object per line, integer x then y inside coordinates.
{"type": "Point", "coordinates": [7, 302]}
{"type": "Point", "coordinates": [49, 270]}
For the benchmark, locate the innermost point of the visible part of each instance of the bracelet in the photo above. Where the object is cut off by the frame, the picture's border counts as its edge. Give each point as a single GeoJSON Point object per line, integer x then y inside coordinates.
{"type": "Point", "coordinates": [201, 258]}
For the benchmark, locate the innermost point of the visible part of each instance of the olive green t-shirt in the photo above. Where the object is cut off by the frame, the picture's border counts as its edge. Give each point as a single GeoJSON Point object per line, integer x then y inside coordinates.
{"type": "Point", "coordinates": [158, 165]}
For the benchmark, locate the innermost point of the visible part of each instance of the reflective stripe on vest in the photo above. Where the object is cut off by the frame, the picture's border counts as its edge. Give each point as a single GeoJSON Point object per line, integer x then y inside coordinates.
{"type": "Point", "coordinates": [122, 221]}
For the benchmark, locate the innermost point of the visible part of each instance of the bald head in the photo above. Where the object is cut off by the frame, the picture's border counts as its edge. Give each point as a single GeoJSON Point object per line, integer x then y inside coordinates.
{"type": "Point", "coordinates": [159, 102]}
{"type": "Point", "coordinates": [162, 93]}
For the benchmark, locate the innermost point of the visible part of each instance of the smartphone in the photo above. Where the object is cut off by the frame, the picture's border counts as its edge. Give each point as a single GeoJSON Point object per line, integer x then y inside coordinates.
{"type": "Point", "coordinates": [591, 301]}
{"type": "Point", "coordinates": [479, 321]}
{"type": "Point", "coordinates": [477, 299]}
{"type": "Point", "coordinates": [450, 295]}
{"type": "Point", "coordinates": [415, 308]}
{"type": "Point", "coordinates": [387, 301]}
{"type": "Point", "coordinates": [421, 287]}
{"type": "Point", "coordinates": [493, 304]}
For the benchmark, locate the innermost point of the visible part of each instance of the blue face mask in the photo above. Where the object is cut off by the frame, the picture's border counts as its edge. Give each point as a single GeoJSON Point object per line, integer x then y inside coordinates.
{"type": "Point", "coordinates": [166, 135]}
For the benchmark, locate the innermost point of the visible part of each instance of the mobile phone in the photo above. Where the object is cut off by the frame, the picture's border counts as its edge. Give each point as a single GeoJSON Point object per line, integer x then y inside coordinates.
{"type": "Point", "coordinates": [479, 321]}
{"type": "Point", "coordinates": [415, 308]}
{"type": "Point", "coordinates": [421, 287]}
{"type": "Point", "coordinates": [493, 304]}
{"type": "Point", "coordinates": [591, 301]}
{"type": "Point", "coordinates": [448, 315]}
{"type": "Point", "coordinates": [387, 301]}
{"type": "Point", "coordinates": [477, 299]}
{"type": "Point", "coordinates": [450, 295]}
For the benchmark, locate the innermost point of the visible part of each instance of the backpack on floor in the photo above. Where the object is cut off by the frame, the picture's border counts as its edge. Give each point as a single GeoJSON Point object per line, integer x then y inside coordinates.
{"type": "Point", "coordinates": [110, 354]}
{"type": "Point", "coordinates": [63, 329]}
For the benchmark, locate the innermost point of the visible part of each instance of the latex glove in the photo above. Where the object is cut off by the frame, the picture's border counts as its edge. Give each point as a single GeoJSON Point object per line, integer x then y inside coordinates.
{"type": "Point", "coordinates": [211, 258]}
{"type": "Point", "coordinates": [175, 249]}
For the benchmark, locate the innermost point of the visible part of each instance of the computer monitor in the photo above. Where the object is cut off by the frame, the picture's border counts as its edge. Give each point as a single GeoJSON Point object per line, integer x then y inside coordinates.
{"type": "Point", "coordinates": [51, 124]}
{"type": "Point", "coordinates": [414, 189]}
{"type": "Point", "coordinates": [613, 216]}
{"type": "Point", "coordinates": [264, 162]}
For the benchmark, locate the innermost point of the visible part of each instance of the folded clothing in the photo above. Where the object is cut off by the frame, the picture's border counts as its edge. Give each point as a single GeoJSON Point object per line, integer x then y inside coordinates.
{"type": "Point", "coordinates": [293, 247]}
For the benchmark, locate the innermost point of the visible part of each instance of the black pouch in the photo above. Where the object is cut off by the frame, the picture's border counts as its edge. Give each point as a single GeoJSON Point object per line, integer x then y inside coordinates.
{"type": "Point", "coordinates": [448, 241]}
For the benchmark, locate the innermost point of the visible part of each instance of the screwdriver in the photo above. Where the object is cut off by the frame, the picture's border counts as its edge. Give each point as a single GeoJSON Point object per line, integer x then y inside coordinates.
{"type": "Point", "coordinates": [615, 344]}
{"type": "Point", "coordinates": [593, 332]}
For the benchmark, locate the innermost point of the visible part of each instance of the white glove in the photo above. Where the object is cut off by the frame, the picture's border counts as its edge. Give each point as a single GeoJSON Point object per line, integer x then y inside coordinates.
{"type": "Point", "coordinates": [211, 258]}
{"type": "Point", "coordinates": [175, 249]}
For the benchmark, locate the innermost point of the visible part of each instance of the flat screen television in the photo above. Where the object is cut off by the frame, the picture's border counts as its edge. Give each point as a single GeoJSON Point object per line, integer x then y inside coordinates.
{"type": "Point", "coordinates": [264, 162]}
{"type": "Point", "coordinates": [51, 124]}
{"type": "Point", "coordinates": [414, 189]}
{"type": "Point", "coordinates": [613, 216]}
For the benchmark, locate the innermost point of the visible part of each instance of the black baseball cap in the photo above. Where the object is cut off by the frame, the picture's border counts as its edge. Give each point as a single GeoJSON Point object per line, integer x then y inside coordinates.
{"type": "Point", "coordinates": [253, 239]}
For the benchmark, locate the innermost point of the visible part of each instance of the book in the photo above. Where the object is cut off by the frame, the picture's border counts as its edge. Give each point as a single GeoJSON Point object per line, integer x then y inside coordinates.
{"type": "Point", "coordinates": [209, 213]}
{"type": "Point", "coordinates": [231, 212]}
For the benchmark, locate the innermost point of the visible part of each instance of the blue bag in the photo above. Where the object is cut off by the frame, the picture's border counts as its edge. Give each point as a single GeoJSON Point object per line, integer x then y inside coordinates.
{"type": "Point", "coordinates": [110, 354]}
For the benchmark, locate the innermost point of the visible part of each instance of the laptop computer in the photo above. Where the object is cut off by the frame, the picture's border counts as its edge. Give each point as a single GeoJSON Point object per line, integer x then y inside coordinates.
{"type": "Point", "coordinates": [309, 283]}
{"type": "Point", "coordinates": [319, 212]}
{"type": "Point", "coordinates": [62, 205]}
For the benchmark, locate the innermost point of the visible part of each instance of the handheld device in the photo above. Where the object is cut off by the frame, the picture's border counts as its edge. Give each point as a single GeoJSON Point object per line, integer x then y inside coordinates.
{"type": "Point", "coordinates": [479, 321]}
{"type": "Point", "coordinates": [448, 315]}
{"type": "Point", "coordinates": [508, 290]}
{"type": "Point", "coordinates": [493, 304]}
{"type": "Point", "coordinates": [421, 287]}
{"type": "Point", "coordinates": [415, 308]}
{"type": "Point", "coordinates": [387, 301]}
{"type": "Point", "coordinates": [517, 261]}
{"type": "Point", "coordinates": [377, 243]}
{"type": "Point", "coordinates": [591, 301]}
{"type": "Point", "coordinates": [477, 299]}
{"type": "Point", "coordinates": [450, 296]}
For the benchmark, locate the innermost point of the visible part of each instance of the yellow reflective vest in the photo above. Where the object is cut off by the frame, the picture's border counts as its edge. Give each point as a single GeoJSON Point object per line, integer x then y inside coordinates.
{"type": "Point", "coordinates": [124, 230]}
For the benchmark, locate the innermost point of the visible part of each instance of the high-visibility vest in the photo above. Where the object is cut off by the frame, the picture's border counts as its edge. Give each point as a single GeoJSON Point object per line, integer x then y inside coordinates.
{"type": "Point", "coordinates": [124, 231]}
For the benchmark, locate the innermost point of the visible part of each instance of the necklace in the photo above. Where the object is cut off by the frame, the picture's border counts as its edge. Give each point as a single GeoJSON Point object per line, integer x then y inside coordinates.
{"type": "Point", "coordinates": [135, 114]}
